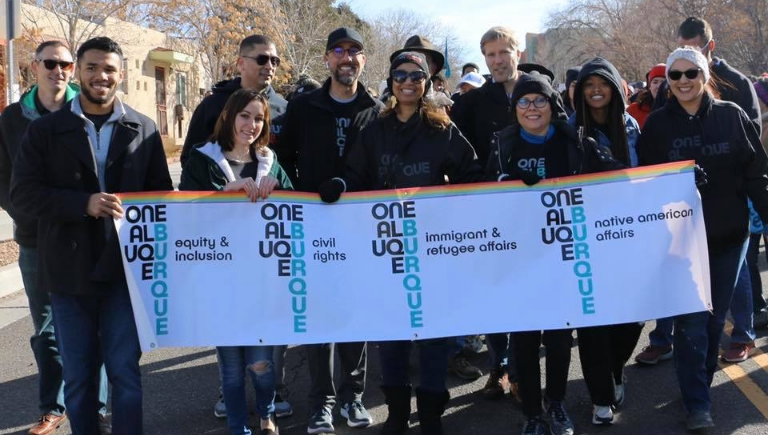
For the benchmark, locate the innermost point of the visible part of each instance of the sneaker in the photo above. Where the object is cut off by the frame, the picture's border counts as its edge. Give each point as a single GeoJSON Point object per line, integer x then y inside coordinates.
{"type": "Point", "coordinates": [321, 421]}
{"type": "Point", "coordinates": [473, 343]}
{"type": "Point", "coordinates": [462, 368]}
{"type": "Point", "coordinates": [602, 415]}
{"type": "Point", "coordinates": [356, 414]}
{"type": "Point", "coordinates": [535, 426]}
{"type": "Point", "coordinates": [618, 396]}
{"type": "Point", "coordinates": [220, 409]}
{"type": "Point", "coordinates": [738, 352]}
{"type": "Point", "coordinates": [699, 420]}
{"type": "Point", "coordinates": [497, 385]}
{"type": "Point", "coordinates": [559, 421]}
{"type": "Point", "coordinates": [282, 408]}
{"type": "Point", "coordinates": [653, 354]}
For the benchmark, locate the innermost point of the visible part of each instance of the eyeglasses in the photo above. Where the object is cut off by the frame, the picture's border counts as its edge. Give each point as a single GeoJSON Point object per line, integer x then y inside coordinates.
{"type": "Point", "coordinates": [690, 74]}
{"type": "Point", "coordinates": [262, 59]}
{"type": "Point", "coordinates": [339, 52]}
{"type": "Point", "coordinates": [400, 76]}
{"type": "Point", "coordinates": [538, 102]}
{"type": "Point", "coordinates": [50, 64]}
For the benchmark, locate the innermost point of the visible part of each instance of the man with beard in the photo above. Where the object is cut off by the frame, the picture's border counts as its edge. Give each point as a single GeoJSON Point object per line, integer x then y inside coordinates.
{"type": "Point", "coordinates": [257, 65]}
{"type": "Point", "coordinates": [69, 166]}
{"type": "Point", "coordinates": [320, 127]}
{"type": "Point", "coordinates": [53, 67]}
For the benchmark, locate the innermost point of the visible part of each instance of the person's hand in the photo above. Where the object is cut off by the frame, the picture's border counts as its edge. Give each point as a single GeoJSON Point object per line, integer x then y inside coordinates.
{"type": "Point", "coordinates": [330, 190]}
{"type": "Point", "coordinates": [266, 186]}
{"type": "Point", "coordinates": [603, 154]}
{"type": "Point", "coordinates": [700, 176]}
{"type": "Point", "coordinates": [101, 205]}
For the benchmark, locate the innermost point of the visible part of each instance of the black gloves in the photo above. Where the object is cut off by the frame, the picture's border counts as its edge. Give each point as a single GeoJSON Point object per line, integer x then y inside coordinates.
{"type": "Point", "coordinates": [700, 176]}
{"type": "Point", "coordinates": [331, 190]}
{"type": "Point", "coordinates": [603, 154]}
{"type": "Point", "coordinates": [529, 177]}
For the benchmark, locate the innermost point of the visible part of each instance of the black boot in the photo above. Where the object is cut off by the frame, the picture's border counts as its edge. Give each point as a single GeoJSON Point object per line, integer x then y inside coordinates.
{"type": "Point", "coordinates": [430, 408]}
{"type": "Point", "coordinates": [398, 400]}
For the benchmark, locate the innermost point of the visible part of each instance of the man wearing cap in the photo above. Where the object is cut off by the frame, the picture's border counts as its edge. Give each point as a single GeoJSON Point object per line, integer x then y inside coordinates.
{"type": "Point", "coordinates": [471, 80]}
{"type": "Point", "coordinates": [319, 128]}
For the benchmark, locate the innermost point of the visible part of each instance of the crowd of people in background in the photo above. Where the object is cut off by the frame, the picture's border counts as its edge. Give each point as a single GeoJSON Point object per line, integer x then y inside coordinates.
{"type": "Point", "coordinates": [66, 149]}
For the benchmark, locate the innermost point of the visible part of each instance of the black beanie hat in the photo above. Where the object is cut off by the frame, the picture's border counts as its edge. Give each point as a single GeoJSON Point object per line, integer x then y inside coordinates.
{"type": "Point", "coordinates": [536, 83]}
{"type": "Point", "coordinates": [571, 75]}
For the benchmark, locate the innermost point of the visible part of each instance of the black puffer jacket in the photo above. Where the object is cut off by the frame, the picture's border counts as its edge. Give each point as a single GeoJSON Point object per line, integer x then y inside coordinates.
{"type": "Point", "coordinates": [391, 154]}
{"type": "Point", "coordinates": [723, 141]}
{"type": "Point", "coordinates": [307, 149]}
{"type": "Point", "coordinates": [207, 112]}
{"type": "Point", "coordinates": [481, 112]}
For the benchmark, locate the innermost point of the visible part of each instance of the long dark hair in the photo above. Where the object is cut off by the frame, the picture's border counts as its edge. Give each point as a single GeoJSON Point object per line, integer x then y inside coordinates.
{"type": "Point", "coordinates": [224, 132]}
{"type": "Point", "coordinates": [617, 129]}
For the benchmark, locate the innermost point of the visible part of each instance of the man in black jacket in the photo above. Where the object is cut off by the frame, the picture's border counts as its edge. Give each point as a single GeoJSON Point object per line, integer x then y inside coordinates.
{"type": "Point", "coordinates": [69, 165]}
{"type": "Point", "coordinates": [53, 67]}
{"type": "Point", "coordinates": [257, 65]}
{"type": "Point", "coordinates": [320, 128]}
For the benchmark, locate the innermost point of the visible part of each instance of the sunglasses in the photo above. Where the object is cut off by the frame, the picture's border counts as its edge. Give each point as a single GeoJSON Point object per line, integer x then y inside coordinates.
{"type": "Point", "coordinates": [339, 52]}
{"type": "Point", "coordinates": [400, 76]}
{"type": "Point", "coordinates": [50, 64]}
{"type": "Point", "coordinates": [690, 74]}
{"type": "Point", "coordinates": [538, 102]}
{"type": "Point", "coordinates": [262, 59]}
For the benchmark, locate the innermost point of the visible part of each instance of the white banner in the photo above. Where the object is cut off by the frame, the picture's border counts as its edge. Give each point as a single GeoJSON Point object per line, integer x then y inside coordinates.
{"type": "Point", "coordinates": [209, 268]}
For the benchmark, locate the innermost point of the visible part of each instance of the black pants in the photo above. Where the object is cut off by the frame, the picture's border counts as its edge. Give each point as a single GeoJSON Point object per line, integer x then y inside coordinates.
{"type": "Point", "coordinates": [753, 251]}
{"type": "Point", "coordinates": [354, 360]}
{"type": "Point", "coordinates": [603, 351]}
{"type": "Point", "coordinates": [558, 360]}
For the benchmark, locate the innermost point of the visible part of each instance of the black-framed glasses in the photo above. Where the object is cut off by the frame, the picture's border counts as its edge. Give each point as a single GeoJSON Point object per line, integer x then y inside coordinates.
{"type": "Point", "coordinates": [262, 59]}
{"type": "Point", "coordinates": [400, 76]}
{"type": "Point", "coordinates": [690, 74]}
{"type": "Point", "coordinates": [538, 102]}
{"type": "Point", "coordinates": [50, 64]}
{"type": "Point", "coordinates": [339, 52]}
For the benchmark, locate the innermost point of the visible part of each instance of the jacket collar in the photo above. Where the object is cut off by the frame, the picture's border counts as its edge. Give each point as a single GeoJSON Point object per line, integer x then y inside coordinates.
{"type": "Point", "coordinates": [322, 97]}
{"type": "Point", "coordinates": [704, 108]}
{"type": "Point", "coordinates": [27, 101]}
{"type": "Point", "coordinates": [265, 157]}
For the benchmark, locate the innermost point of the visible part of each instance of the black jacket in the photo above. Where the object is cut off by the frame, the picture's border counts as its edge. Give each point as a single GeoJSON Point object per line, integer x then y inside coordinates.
{"type": "Point", "coordinates": [723, 141]}
{"type": "Point", "coordinates": [53, 178]}
{"type": "Point", "coordinates": [307, 149]}
{"type": "Point", "coordinates": [481, 112]}
{"type": "Point", "coordinates": [580, 161]}
{"type": "Point", "coordinates": [392, 155]}
{"type": "Point", "coordinates": [207, 112]}
{"type": "Point", "coordinates": [738, 89]}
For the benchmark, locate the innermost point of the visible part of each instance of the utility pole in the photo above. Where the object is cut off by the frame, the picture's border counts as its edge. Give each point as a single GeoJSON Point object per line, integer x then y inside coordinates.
{"type": "Point", "coordinates": [10, 28]}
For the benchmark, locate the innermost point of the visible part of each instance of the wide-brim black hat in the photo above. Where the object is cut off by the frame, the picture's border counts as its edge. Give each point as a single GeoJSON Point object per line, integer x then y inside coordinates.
{"type": "Point", "coordinates": [422, 45]}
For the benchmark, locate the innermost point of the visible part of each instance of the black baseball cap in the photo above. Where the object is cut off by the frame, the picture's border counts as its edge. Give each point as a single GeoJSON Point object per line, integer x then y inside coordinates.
{"type": "Point", "coordinates": [343, 34]}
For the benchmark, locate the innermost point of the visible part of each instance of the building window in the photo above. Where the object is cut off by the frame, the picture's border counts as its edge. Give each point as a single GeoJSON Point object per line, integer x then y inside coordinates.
{"type": "Point", "coordinates": [124, 84]}
{"type": "Point", "coordinates": [138, 85]}
{"type": "Point", "coordinates": [137, 63]}
{"type": "Point", "coordinates": [181, 89]}
{"type": "Point", "coordinates": [145, 85]}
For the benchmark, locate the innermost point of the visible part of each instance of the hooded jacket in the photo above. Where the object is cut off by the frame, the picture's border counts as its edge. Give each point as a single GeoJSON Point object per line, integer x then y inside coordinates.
{"type": "Point", "coordinates": [308, 148]}
{"type": "Point", "coordinates": [481, 112]}
{"type": "Point", "coordinates": [13, 124]}
{"type": "Point", "coordinates": [207, 112]}
{"type": "Point", "coordinates": [724, 143]}
{"type": "Point", "coordinates": [605, 70]}
{"type": "Point", "coordinates": [392, 155]}
{"type": "Point", "coordinates": [737, 89]}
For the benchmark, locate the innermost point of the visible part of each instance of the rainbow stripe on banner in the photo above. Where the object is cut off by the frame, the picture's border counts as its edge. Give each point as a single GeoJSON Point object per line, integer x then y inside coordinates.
{"type": "Point", "coordinates": [417, 192]}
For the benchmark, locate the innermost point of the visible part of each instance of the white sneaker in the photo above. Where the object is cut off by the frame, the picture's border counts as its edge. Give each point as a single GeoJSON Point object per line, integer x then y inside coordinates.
{"type": "Point", "coordinates": [602, 415]}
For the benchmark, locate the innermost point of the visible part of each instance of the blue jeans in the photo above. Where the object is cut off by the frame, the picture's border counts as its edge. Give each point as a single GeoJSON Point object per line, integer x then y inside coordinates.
{"type": "Point", "coordinates": [89, 328]}
{"type": "Point", "coordinates": [433, 363]}
{"type": "Point", "coordinates": [234, 361]}
{"type": "Point", "coordinates": [43, 341]}
{"type": "Point", "coordinates": [741, 309]}
{"type": "Point", "coordinates": [662, 334]}
{"type": "Point", "coordinates": [697, 335]}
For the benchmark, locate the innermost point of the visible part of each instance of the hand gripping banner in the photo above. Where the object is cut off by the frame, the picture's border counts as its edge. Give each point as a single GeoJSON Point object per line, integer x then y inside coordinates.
{"type": "Point", "coordinates": [207, 268]}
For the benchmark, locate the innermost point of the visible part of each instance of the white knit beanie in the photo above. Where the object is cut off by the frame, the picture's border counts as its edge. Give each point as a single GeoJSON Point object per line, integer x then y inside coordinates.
{"type": "Point", "coordinates": [691, 55]}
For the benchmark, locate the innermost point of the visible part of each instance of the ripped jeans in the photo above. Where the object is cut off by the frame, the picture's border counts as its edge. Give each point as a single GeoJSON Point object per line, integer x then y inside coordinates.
{"type": "Point", "coordinates": [234, 362]}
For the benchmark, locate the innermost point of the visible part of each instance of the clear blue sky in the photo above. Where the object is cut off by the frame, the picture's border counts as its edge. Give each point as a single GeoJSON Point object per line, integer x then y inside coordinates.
{"type": "Point", "coordinates": [470, 19]}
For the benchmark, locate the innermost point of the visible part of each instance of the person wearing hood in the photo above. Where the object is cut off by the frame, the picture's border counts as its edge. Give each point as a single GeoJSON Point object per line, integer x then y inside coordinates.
{"type": "Point", "coordinates": [238, 159]}
{"type": "Point", "coordinates": [257, 63]}
{"type": "Point", "coordinates": [53, 66]}
{"type": "Point", "coordinates": [734, 168]}
{"type": "Point", "coordinates": [600, 113]}
{"type": "Point", "coordinates": [643, 104]}
{"type": "Point", "coordinates": [412, 144]}
{"type": "Point", "coordinates": [570, 84]}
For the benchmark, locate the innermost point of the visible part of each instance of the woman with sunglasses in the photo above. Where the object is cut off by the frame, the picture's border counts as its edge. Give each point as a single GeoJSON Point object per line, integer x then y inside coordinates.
{"type": "Point", "coordinates": [238, 158]}
{"type": "Point", "coordinates": [540, 144]}
{"type": "Point", "coordinates": [604, 350]}
{"type": "Point", "coordinates": [412, 144]}
{"type": "Point", "coordinates": [720, 137]}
